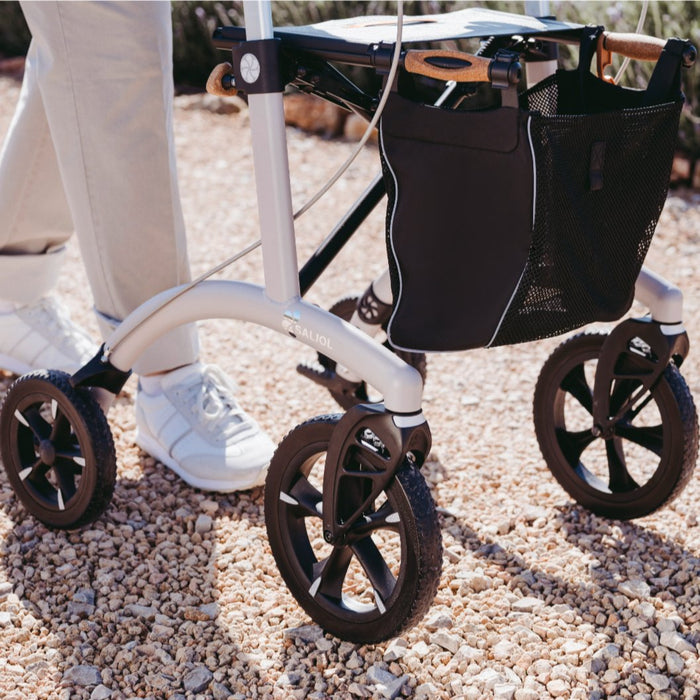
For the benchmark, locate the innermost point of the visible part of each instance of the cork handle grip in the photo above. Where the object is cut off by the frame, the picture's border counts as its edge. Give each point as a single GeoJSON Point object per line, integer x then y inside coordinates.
{"type": "Point", "coordinates": [448, 65]}
{"type": "Point", "coordinates": [637, 46]}
{"type": "Point", "coordinates": [214, 82]}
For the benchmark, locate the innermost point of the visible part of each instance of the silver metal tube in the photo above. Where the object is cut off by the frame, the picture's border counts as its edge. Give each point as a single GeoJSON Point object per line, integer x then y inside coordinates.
{"type": "Point", "coordinates": [663, 299]}
{"type": "Point", "coordinates": [272, 174]}
{"type": "Point", "coordinates": [400, 385]}
{"type": "Point", "coordinates": [258, 20]}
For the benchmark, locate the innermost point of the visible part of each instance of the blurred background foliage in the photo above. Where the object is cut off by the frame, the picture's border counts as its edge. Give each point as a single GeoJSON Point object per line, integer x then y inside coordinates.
{"type": "Point", "coordinates": [194, 21]}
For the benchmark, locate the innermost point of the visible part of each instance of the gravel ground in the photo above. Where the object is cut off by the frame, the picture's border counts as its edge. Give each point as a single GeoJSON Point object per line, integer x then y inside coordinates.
{"type": "Point", "coordinates": [174, 593]}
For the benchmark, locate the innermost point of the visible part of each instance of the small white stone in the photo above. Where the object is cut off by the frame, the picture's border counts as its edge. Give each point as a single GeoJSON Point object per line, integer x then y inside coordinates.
{"type": "Point", "coordinates": [526, 694]}
{"type": "Point", "coordinates": [676, 642]}
{"type": "Point", "coordinates": [359, 691]}
{"type": "Point", "coordinates": [420, 649]}
{"type": "Point", "coordinates": [573, 646]}
{"type": "Point", "coordinates": [451, 642]}
{"type": "Point", "coordinates": [505, 650]}
{"type": "Point", "coordinates": [396, 650]}
{"type": "Point", "coordinates": [635, 588]}
{"type": "Point", "coordinates": [668, 624]}
{"type": "Point", "coordinates": [527, 605]}
{"type": "Point", "coordinates": [438, 621]}
{"type": "Point", "coordinates": [324, 644]}
{"type": "Point", "coordinates": [426, 690]}
{"type": "Point", "coordinates": [646, 611]}
{"type": "Point", "coordinates": [477, 582]}
{"type": "Point", "coordinates": [504, 691]}
{"type": "Point", "coordinates": [203, 523]}
{"type": "Point", "coordinates": [489, 678]}
{"type": "Point", "coordinates": [558, 687]}
{"type": "Point", "coordinates": [656, 680]}
{"type": "Point", "coordinates": [674, 663]}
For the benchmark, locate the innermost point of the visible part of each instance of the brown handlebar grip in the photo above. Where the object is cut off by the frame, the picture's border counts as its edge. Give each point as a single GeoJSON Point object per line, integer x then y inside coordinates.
{"type": "Point", "coordinates": [214, 84]}
{"type": "Point", "coordinates": [637, 46]}
{"type": "Point", "coordinates": [465, 69]}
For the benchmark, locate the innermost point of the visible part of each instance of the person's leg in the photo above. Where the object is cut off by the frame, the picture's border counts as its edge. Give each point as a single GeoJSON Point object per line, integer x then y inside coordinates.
{"type": "Point", "coordinates": [105, 76]}
{"type": "Point", "coordinates": [34, 225]}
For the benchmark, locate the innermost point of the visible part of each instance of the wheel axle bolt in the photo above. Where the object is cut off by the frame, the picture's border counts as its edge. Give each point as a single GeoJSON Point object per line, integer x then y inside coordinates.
{"type": "Point", "coordinates": [328, 536]}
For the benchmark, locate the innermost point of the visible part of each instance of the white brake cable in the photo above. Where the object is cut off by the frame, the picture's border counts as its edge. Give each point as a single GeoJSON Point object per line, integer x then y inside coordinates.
{"type": "Point", "coordinates": [378, 113]}
{"type": "Point", "coordinates": [640, 24]}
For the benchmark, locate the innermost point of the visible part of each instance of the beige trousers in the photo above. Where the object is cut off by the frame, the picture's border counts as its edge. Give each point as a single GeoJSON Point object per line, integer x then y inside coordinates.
{"type": "Point", "coordinates": [91, 149]}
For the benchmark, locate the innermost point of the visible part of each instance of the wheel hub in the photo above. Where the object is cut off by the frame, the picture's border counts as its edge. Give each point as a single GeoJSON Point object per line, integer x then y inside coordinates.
{"type": "Point", "coordinates": [47, 452]}
{"type": "Point", "coordinates": [605, 433]}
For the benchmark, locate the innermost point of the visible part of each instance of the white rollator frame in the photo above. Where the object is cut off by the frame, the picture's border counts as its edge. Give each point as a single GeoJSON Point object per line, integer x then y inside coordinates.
{"type": "Point", "coordinates": [351, 522]}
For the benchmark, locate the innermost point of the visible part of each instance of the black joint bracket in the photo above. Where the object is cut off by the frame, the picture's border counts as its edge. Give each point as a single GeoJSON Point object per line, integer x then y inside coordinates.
{"type": "Point", "coordinates": [256, 66]}
{"type": "Point", "coordinates": [99, 372]}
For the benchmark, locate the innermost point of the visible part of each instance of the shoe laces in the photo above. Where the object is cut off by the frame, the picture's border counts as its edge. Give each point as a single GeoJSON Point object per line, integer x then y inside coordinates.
{"type": "Point", "coordinates": [211, 401]}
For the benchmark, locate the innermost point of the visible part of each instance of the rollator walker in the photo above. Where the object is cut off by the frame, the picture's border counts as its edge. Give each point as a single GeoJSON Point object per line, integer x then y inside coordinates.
{"type": "Point", "coordinates": [350, 519]}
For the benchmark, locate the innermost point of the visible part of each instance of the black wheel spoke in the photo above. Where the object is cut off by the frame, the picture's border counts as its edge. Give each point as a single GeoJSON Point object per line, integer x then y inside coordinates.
{"type": "Point", "coordinates": [329, 574]}
{"type": "Point", "coordinates": [575, 384]}
{"type": "Point", "coordinates": [620, 479]}
{"type": "Point", "coordinates": [375, 567]}
{"type": "Point", "coordinates": [303, 498]}
{"type": "Point", "coordinates": [61, 430]}
{"type": "Point", "coordinates": [35, 472]}
{"type": "Point", "coordinates": [70, 462]}
{"type": "Point", "coordinates": [651, 438]}
{"type": "Point", "coordinates": [32, 419]}
{"type": "Point", "coordinates": [572, 444]}
{"type": "Point", "coordinates": [385, 518]}
{"type": "Point", "coordinates": [65, 474]}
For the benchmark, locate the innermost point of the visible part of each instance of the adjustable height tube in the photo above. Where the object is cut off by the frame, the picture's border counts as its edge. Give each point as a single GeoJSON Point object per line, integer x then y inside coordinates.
{"type": "Point", "coordinates": [271, 171]}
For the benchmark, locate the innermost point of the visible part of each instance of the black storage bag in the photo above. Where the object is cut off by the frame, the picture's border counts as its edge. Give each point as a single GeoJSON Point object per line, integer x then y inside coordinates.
{"type": "Point", "coordinates": [510, 225]}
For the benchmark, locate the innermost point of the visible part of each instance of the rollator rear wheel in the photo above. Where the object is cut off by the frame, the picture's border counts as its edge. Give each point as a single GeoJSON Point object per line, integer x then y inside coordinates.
{"type": "Point", "coordinates": [647, 458]}
{"type": "Point", "coordinates": [57, 449]}
{"type": "Point", "coordinates": [384, 576]}
{"type": "Point", "coordinates": [345, 308]}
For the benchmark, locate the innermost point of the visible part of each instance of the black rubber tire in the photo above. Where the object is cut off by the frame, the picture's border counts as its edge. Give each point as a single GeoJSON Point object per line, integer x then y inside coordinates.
{"type": "Point", "coordinates": [661, 439]}
{"type": "Point", "coordinates": [345, 308]}
{"type": "Point", "coordinates": [415, 536]}
{"type": "Point", "coordinates": [62, 435]}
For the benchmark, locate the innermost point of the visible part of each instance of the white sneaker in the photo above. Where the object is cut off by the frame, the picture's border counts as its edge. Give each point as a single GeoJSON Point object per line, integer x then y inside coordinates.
{"type": "Point", "coordinates": [189, 420]}
{"type": "Point", "coordinates": [41, 336]}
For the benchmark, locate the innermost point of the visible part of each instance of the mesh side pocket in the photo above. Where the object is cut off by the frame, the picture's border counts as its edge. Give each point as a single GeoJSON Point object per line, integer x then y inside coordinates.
{"type": "Point", "coordinates": [601, 183]}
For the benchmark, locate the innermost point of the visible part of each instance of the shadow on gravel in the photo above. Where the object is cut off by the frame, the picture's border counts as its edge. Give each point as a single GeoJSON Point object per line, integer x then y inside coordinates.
{"type": "Point", "coordinates": [172, 593]}
{"type": "Point", "coordinates": [132, 601]}
{"type": "Point", "coordinates": [643, 595]}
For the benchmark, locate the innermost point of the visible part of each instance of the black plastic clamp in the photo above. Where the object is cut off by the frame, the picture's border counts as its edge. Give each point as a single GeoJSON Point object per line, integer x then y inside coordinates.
{"type": "Point", "coordinates": [256, 66]}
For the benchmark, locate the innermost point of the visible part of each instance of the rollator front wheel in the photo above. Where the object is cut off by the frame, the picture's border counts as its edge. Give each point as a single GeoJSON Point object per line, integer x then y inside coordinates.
{"type": "Point", "coordinates": [647, 457]}
{"type": "Point", "coordinates": [345, 308]}
{"type": "Point", "coordinates": [57, 449]}
{"type": "Point", "coordinates": [384, 576]}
